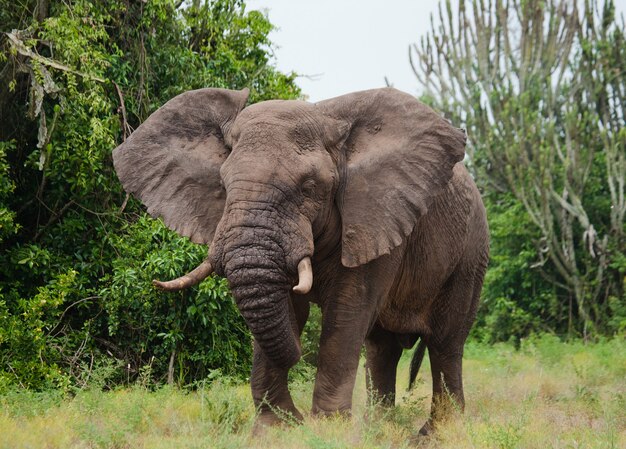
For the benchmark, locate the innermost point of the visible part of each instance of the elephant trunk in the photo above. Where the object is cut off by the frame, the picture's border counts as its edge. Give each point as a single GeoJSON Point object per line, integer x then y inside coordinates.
{"type": "Point", "coordinates": [258, 246]}
{"type": "Point", "coordinates": [251, 252]}
{"type": "Point", "coordinates": [261, 291]}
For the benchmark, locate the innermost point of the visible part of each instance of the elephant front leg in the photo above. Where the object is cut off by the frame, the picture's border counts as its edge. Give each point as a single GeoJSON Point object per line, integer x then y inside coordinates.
{"type": "Point", "coordinates": [343, 332]}
{"type": "Point", "coordinates": [270, 391]}
{"type": "Point", "coordinates": [336, 373]}
{"type": "Point", "coordinates": [350, 304]}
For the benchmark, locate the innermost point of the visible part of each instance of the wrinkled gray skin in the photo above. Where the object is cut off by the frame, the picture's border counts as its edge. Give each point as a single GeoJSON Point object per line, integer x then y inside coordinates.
{"type": "Point", "coordinates": [368, 185]}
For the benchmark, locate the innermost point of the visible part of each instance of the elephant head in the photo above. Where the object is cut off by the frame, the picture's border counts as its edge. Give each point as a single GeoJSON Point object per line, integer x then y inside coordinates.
{"type": "Point", "coordinates": [264, 184]}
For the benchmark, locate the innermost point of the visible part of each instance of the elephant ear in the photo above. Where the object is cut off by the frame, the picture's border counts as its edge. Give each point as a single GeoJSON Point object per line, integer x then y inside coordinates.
{"type": "Point", "coordinates": [399, 155]}
{"type": "Point", "coordinates": [172, 161]}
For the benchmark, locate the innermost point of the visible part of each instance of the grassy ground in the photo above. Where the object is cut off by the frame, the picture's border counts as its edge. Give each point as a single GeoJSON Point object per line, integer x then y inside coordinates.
{"type": "Point", "coordinates": [548, 394]}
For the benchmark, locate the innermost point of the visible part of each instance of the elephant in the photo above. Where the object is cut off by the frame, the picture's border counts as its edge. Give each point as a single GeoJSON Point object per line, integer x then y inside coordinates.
{"type": "Point", "coordinates": [360, 204]}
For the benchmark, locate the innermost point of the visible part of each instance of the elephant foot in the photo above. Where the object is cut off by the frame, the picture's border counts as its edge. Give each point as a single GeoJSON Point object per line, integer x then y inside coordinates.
{"type": "Point", "coordinates": [276, 417]}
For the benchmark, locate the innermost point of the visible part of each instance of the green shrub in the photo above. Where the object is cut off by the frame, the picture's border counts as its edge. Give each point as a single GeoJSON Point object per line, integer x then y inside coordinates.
{"type": "Point", "coordinates": [76, 254]}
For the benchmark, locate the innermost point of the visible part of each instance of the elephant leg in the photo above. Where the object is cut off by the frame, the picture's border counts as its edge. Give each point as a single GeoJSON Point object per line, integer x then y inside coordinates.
{"type": "Point", "coordinates": [336, 373]}
{"type": "Point", "coordinates": [350, 299]}
{"type": "Point", "coordinates": [269, 383]}
{"type": "Point", "coordinates": [452, 319]}
{"type": "Point", "coordinates": [383, 353]}
{"type": "Point", "coordinates": [446, 370]}
{"type": "Point", "coordinates": [344, 326]}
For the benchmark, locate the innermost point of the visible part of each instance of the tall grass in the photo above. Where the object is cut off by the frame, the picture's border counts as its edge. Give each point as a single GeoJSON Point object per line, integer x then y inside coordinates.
{"type": "Point", "coordinates": [546, 394]}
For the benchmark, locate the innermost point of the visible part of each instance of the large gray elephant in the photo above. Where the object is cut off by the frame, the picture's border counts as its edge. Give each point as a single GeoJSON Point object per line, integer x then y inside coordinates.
{"type": "Point", "coordinates": [358, 203]}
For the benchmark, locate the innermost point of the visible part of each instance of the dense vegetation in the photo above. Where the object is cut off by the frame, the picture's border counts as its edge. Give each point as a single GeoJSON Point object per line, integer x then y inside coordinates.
{"type": "Point", "coordinates": [77, 254]}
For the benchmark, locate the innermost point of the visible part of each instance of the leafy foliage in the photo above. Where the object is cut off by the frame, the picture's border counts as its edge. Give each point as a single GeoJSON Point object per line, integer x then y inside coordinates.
{"type": "Point", "coordinates": [515, 301]}
{"type": "Point", "coordinates": [76, 252]}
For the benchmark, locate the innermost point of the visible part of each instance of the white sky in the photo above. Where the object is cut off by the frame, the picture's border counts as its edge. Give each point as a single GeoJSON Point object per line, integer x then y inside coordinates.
{"type": "Point", "coordinates": [349, 45]}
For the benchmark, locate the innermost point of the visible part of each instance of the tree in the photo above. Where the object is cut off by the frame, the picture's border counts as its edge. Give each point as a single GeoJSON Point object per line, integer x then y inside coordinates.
{"type": "Point", "coordinates": [541, 88]}
{"type": "Point", "coordinates": [76, 253]}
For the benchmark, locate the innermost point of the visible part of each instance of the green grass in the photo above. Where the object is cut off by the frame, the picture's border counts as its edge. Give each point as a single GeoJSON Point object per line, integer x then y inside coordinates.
{"type": "Point", "coordinates": [546, 395]}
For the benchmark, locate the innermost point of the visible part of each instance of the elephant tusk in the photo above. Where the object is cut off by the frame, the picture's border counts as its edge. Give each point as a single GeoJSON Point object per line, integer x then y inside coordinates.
{"type": "Point", "coordinates": [305, 277]}
{"type": "Point", "coordinates": [192, 278]}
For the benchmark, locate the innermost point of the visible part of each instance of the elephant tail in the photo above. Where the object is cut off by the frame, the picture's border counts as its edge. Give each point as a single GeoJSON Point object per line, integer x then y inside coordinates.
{"type": "Point", "coordinates": [416, 362]}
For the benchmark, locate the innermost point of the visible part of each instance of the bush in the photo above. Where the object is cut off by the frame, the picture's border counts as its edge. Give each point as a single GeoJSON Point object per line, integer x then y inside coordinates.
{"type": "Point", "coordinates": [76, 253]}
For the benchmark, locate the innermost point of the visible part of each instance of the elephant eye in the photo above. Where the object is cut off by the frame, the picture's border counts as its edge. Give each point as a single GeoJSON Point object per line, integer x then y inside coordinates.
{"type": "Point", "coordinates": [308, 187]}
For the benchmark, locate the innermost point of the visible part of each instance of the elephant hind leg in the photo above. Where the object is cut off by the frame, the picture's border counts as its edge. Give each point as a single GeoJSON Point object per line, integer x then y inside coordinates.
{"type": "Point", "coordinates": [446, 370]}
{"type": "Point", "coordinates": [452, 318]}
{"type": "Point", "coordinates": [448, 396]}
{"type": "Point", "coordinates": [383, 352]}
